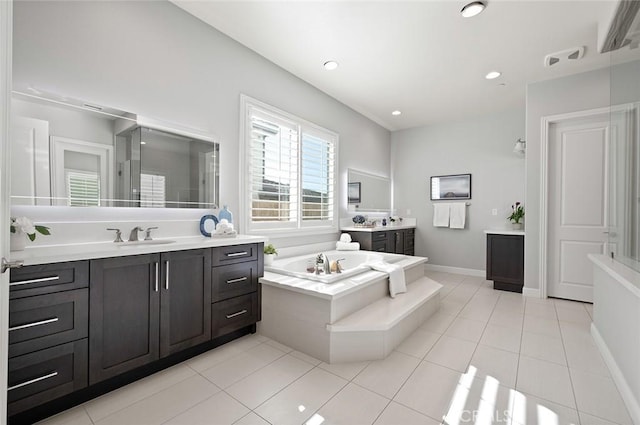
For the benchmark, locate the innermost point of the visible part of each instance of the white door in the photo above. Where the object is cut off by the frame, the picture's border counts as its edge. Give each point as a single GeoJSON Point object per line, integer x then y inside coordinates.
{"type": "Point", "coordinates": [6, 17]}
{"type": "Point", "coordinates": [30, 183]}
{"type": "Point", "coordinates": [578, 210]}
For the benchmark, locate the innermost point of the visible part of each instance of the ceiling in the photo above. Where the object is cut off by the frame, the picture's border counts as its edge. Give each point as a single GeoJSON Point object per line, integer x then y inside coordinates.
{"type": "Point", "coordinates": [420, 57]}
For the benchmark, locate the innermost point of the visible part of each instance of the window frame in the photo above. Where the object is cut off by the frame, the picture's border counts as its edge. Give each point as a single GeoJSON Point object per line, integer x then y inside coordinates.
{"type": "Point", "coordinates": [299, 227]}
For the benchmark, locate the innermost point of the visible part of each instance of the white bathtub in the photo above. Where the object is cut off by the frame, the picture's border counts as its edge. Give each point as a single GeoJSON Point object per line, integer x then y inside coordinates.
{"type": "Point", "coordinates": [352, 262]}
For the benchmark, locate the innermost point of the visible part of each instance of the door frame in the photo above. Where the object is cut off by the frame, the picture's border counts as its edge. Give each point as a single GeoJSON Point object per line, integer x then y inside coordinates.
{"type": "Point", "coordinates": [6, 34]}
{"type": "Point", "coordinates": [545, 131]}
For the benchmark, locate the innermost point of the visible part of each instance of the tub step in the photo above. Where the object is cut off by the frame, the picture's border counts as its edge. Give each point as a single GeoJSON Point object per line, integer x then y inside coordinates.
{"type": "Point", "coordinates": [372, 332]}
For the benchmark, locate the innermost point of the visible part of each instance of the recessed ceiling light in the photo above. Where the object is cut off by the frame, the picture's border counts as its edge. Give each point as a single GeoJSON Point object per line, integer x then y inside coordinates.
{"type": "Point", "coordinates": [493, 75]}
{"type": "Point", "coordinates": [472, 9]}
{"type": "Point", "coordinates": [396, 113]}
{"type": "Point", "coordinates": [330, 65]}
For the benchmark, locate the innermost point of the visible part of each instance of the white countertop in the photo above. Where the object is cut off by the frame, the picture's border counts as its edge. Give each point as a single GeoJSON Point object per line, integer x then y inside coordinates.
{"type": "Point", "coordinates": [339, 288]}
{"type": "Point", "coordinates": [504, 232]}
{"type": "Point", "coordinates": [87, 251]}
{"type": "Point", "coordinates": [377, 228]}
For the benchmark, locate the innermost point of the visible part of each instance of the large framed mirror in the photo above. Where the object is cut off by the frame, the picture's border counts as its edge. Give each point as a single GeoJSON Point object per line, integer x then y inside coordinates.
{"type": "Point", "coordinates": [68, 152]}
{"type": "Point", "coordinates": [368, 192]}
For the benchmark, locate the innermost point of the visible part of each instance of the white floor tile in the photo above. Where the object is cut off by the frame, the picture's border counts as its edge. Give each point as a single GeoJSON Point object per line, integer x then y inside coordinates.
{"type": "Point", "coordinates": [418, 343]}
{"type": "Point", "coordinates": [429, 390]}
{"type": "Point", "coordinates": [347, 371]}
{"type": "Point", "coordinates": [542, 310]}
{"type": "Point", "coordinates": [531, 410]}
{"type": "Point", "coordinates": [165, 404]}
{"type": "Point", "coordinates": [453, 353]}
{"type": "Point", "coordinates": [251, 419]}
{"type": "Point", "coordinates": [438, 323]}
{"type": "Point", "coordinates": [576, 332]}
{"type": "Point", "coordinates": [218, 355]}
{"type": "Point", "coordinates": [297, 402]}
{"type": "Point", "coordinates": [543, 347]}
{"type": "Point", "coordinates": [385, 377]}
{"type": "Point", "coordinates": [221, 409]}
{"type": "Point", "coordinates": [507, 318]}
{"type": "Point", "coordinates": [598, 396]}
{"type": "Point", "coordinates": [258, 387]}
{"type": "Point", "coordinates": [397, 414]}
{"type": "Point", "coordinates": [76, 416]}
{"type": "Point", "coordinates": [234, 369]}
{"type": "Point", "coordinates": [549, 381]}
{"type": "Point", "coordinates": [587, 419]}
{"type": "Point", "coordinates": [471, 330]}
{"type": "Point", "coordinates": [451, 306]}
{"type": "Point", "coordinates": [573, 315]}
{"type": "Point", "coordinates": [586, 358]}
{"type": "Point", "coordinates": [475, 312]}
{"type": "Point", "coordinates": [498, 364]}
{"type": "Point", "coordinates": [109, 403]}
{"type": "Point", "coordinates": [542, 326]}
{"type": "Point", "coordinates": [479, 400]}
{"type": "Point", "coordinates": [501, 337]}
{"type": "Point", "coordinates": [352, 405]}
{"type": "Point", "coordinates": [305, 357]}
{"type": "Point", "coordinates": [589, 308]}
{"type": "Point", "coordinates": [277, 345]}
{"type": "Point", "coordinates": [568, 304]}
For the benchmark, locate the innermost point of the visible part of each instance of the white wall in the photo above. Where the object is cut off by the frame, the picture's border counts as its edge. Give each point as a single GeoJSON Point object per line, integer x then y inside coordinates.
{"type": "Point", "coordinates": [481, 146]}
{"type": "Point", "coordinates": [154, 59]}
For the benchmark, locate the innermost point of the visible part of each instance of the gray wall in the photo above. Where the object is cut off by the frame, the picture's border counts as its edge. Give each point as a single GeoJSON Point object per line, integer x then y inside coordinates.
{"type": "Point", "coordinates": [481, 146]}
{"type": "Point", "coordinates": [154, 59]}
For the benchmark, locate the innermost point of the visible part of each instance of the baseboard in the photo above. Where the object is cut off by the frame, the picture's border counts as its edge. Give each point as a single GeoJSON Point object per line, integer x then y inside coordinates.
{"type": "Point", "coordinates": [455, 270]}
{"type": "Point", "coordinates": [633, 406]}
{"type": "Point", "coordinates": [531, 292]}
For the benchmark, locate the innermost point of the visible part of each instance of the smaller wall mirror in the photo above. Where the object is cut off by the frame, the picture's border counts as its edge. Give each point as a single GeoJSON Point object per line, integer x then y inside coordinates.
{"type": "Point", "coordinates": [368, 192]}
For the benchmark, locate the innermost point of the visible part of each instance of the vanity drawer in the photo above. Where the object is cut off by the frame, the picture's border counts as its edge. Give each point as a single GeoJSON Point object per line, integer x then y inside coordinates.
{"type": "Point", "coordinates": [378, 236]}
{"type": "Point", "coordinates": [234, 254]}
{"type": "Point", "coordinates": [233, 280]}
{"type": "Point", "coordinates": [233, 314]}
{"type": "Point", "coordinates": [45, 375]}
{"type": "Point", "coordinates": [379, 246]}
{"type": "Point", "coordinates": [42, 279]}
{"type": "Point", "coordinates": [47, 320]}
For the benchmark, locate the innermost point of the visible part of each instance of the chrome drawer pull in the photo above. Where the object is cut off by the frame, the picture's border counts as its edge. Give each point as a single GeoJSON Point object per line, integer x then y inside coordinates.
{"type": "Point", "coordinates": [42, 279]}
{"type": "Point", "coordinates": [166, 277]}
{"type": "Point", "coordinates": [30, 325]}
{"type": "Point", "coordinates": [237, 254]}
{"type": "Point", "coordinates": [229, 316]}
{"type": "Point", "coordinates": [157, 277]}
{"type": "Point", "coordinates": [240, 279]}
{"type": "Point", "coordinates": [33, 381]}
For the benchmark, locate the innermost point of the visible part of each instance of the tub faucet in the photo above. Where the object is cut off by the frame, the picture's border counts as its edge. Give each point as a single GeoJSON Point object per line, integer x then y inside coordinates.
{"type": "Point", "coordinates": [133, 236]}
{"type": "Point", "coordinates": [326, 265]}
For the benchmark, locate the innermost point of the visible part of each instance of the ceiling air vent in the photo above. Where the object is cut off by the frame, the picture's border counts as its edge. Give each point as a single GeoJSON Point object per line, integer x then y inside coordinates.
{"type": "Point", "coordinates": [572, 54]}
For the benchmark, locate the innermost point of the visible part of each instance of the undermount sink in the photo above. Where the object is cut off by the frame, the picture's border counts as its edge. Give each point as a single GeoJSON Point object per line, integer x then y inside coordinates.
{"type": "Point", "coordinates": [151, 242]}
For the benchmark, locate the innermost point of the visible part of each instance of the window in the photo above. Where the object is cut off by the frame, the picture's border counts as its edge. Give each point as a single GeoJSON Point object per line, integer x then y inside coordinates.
{"type": "Point", "coordinates": [83, 188]}
{"type": "Point", "coordinates": [152, 190]}
{"type": "Point", "coordinates": [290, 179]}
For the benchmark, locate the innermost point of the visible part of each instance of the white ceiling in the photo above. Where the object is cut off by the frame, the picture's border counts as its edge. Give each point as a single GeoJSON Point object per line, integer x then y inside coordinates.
{"type": "Point", "coordinates": [420, 57]}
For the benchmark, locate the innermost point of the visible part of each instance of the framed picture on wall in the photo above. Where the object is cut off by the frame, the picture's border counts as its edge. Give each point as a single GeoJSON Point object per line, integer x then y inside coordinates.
{"type": "Point", "coordinates": [454, 186]}
{"type": "Point", "coordinates": [354, 193]}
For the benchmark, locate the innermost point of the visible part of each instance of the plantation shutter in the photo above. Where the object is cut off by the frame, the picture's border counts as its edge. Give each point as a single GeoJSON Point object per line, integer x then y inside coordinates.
{"type": "Point", "coordinates": [152, 190]}
{"type": "Point", "coordinates": [318, 178]}
{"type": "Point", "coordinates": [83, 188]}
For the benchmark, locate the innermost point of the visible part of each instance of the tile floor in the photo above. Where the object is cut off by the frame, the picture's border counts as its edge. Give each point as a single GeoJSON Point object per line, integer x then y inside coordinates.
{"type": "Point", "coordinates": [486, 357]}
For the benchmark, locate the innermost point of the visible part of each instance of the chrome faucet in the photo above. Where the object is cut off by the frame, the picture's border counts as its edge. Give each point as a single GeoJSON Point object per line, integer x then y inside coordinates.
{"type": "Point", "coordinates": [133, 236]}
{"type": "Point", "coordinates": [326, 265]}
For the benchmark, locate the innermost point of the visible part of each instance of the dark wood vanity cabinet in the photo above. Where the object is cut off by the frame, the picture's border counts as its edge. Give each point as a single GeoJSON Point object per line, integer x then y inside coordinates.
{"type": "Point", "coordinates": [505, 261]}
{"type": "Point", "coordinates": [395, 241]}
{"type": "Point", "coordinates": [48, 329]}
{"type": "Point", "coordinates": [145, 307]}
{"type": "Point", "coordinates": [75, 325]}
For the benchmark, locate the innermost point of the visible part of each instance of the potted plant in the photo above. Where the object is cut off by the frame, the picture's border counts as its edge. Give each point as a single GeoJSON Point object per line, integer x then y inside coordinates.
{"type": "Point", "coordinates": [517, 214]}
{"type": "Point", "coordinates": [21, 227]}
{"type": "Point", "coordinates": [270, 253]}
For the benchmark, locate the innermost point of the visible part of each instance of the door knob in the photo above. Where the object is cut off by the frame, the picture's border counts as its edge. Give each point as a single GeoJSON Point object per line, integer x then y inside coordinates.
{"type": "Point", "coordinates": [10, 264]}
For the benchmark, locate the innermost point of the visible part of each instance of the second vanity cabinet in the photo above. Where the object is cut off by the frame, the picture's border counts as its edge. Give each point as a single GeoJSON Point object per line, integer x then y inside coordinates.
{"type": "Point", "coordinates": [395, 241]}
{"type": "Point", "coordinates": [76, 325]}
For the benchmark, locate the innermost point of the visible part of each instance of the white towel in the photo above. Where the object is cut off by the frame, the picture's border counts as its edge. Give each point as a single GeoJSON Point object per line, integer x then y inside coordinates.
{"type": "Point", "coordinates": [458, 213]}
{"type": "Point", "coordinates": [347, 246]}
{"type": "Point", "coordinates": [397, 283]}
{"type": "Point", "coordinates": [441, 215]}
{"type": "Point", "coordinates": [345, 237]}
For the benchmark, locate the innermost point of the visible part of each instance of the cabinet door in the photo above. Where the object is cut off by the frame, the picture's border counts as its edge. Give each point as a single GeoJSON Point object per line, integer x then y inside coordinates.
{"type": "Point", "coordinates": [124, 303]}
{"type": "Point", "coordinates": [505, 259]}
{"type": "Point", "coordinates": [185, 311]}
{"type": "Point", "coordinates": [396, 245]}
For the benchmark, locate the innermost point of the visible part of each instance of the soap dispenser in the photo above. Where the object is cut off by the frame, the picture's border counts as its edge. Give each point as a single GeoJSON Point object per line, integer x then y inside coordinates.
{"type": "Point", "coordinates": [225, 214]}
